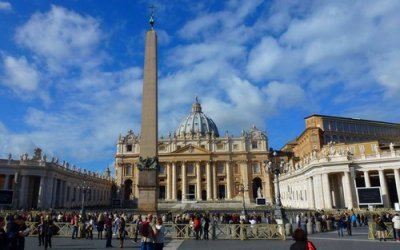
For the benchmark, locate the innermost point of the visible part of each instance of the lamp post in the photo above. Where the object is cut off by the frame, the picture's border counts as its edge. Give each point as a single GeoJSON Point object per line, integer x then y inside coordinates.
{"type": "Point", "coordinates": [243, 189]}
{"type": "Point", "coordinates": [276, 168]}
{"type": "Point", "coordinates": [84, 187]}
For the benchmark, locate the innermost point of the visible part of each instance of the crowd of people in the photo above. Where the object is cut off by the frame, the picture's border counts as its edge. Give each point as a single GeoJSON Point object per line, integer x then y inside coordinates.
{"type": "Point", "coordinates": [149, 230]}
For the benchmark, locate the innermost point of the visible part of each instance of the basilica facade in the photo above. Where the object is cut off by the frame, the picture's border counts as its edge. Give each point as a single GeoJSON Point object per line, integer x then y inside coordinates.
{"type": "Point", "coordinates": [199, 164]}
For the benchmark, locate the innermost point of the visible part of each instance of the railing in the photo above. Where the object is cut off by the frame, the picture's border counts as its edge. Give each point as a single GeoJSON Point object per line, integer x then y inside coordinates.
{"type": "Point", "coordinates": [184, 231]}
{"type": "Point", "coordinates": [372, 234]}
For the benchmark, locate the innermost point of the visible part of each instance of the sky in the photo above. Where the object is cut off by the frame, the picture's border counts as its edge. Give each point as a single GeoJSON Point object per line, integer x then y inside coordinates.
{"type": "Point", "coordinates": [71, 71]}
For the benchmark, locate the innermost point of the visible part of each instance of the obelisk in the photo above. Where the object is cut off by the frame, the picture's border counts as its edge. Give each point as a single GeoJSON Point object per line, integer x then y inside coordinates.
{"type": "Point", "coordinates": [148, 161]}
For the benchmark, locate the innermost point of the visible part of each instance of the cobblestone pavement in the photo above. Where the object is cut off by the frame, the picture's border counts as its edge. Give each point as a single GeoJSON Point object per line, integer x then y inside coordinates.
{"type": "Point", "coordinates": [323, 241]}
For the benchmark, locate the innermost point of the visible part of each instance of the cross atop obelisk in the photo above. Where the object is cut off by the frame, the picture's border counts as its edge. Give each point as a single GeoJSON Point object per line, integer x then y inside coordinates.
{"type": "Point", "coordinates": [148, 161]}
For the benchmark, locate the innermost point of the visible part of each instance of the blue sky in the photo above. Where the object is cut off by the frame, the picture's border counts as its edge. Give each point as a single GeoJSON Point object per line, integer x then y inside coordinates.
{"type": "Point", "coordinates": [71, 71]}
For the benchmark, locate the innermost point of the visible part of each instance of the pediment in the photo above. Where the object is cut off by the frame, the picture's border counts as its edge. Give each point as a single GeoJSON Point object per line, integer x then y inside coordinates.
{"type": "Point", "coordinates": [191, 149]}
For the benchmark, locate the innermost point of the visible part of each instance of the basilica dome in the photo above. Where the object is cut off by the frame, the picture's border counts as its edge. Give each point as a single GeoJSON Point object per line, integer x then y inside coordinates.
{"type": "Point", "coordinates": [197, 123]}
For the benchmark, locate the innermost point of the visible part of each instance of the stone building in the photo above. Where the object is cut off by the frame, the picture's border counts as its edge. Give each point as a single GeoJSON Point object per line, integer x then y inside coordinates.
{"type": "Point", "coordinates": [37, 182]}
{"type": "Point", "coordinates": [198, 164]}
{"type": "Point", "coordinates": [334, 156]}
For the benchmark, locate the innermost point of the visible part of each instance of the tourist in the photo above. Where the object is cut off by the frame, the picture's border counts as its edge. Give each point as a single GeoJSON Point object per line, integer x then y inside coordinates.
{"type": "Point", "coordinates": [340, 224]}
{"type": "Point", "coordinates": [380, 228]}
{"type": "Point", "coordinates": [41, 233]}
{"type": "Point", "coordinates": [301, 242]}
{"type": "Point", "coordinates": [89, 228]}
{"type": "Point", "coordinates": [121, 232]}
{"type": "Point", "coordinates": [396, 227]}
{"type": "Point", "coordinates": [160, 230]}
{"type": "Point", "coordinates": [108, 226]}
{"type": "Point", "coordinates": [16, 232]}
{"type": "Point", "coordinates": [205, 223]}
{"type": "Point", "coordinates": [3, 235]}
{"type": "Point", "coordinates": [48, 229]}
{"type": "Point", "coordinates": [196, 227]}
{"type": "Point", "coordinates": [348, 224]}
{"type": "Point", "coordinates": [147, 232]}
{"type": "Point", "coordinates": [138, 223]}
{"type": "Point", "coordinates": [74, 224]}
{"type": "Point", "coordinates": [100, 226]}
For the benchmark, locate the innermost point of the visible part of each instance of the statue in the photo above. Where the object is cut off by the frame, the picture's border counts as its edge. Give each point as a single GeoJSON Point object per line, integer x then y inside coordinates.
{"type": "Point", "coordinates": [44, 157]}
{"type": "Point", "coordinates": [259, 192]}
{"type": "Point", "coordinates": [37, 154]}
{"type": "Point", "coordinates": [9, 156]}
{"type": "Point", "coordinates": [362, 149]}
{"type": "Point", "coordinates": [147, 163]}
{"type": "Point", "coordinates": [391, 147]}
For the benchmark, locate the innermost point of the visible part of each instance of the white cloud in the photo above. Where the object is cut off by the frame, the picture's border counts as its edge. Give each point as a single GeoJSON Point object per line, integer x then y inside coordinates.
{"type": "Point", "coordinates": [62, 38]}
{"type": "Point", "coordinates": [5, 6]}
{"type": "Point", "coordinates": [284, 95]}
{"type": "Point", "coordinates": [19, 75]}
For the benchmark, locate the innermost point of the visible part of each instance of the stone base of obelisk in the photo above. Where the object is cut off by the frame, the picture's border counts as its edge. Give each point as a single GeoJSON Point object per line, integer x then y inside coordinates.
{"type": "Point", "coordinates": [147, 202]}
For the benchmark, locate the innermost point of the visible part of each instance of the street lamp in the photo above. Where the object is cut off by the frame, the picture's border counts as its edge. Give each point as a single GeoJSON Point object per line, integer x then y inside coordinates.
{"type": "Point", "coordinates": [242, 189]}
{"type": "Point", "coordinates": [276, 168]}
{"type": "Point", "coordinates": [84, 187]}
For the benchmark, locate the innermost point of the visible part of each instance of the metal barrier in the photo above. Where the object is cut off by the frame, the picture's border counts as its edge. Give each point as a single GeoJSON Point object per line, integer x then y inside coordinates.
{"type": "Point", "coordinates": [184, 231]}
{"type": "Point", "coordinates": [372, 231]}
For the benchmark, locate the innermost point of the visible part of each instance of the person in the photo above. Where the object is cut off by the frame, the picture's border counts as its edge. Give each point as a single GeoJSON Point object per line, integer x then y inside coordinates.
{"type": "Point", "coordinates": [108, 225]}
{"type": "Point", "coordinates": [121, 232]}
{"type": "Point", "coordinates": [396, 226]}
{"type": "Point", "coordinates": [301, 242]}
{"type": "Point", "coordinates": [205, 223]}
{"type": "Point", "coordinates": [100, 226]}
{"type": "Point", "coordinates": [380, 228]}
{"type": "Point", "coordinates": [16, 231]}
{"type": "Point", "coordinates": [48, 229]}
{"type": "Point", "coordinates": [74, 224]}
{"type": "Point", "coordinates": [159, 237]}
{"type": "Point", "coordinates": [348, 224]}
{"type": "Point", "coordinates": [3, 235]}
{"type": "Point", "coordinates": [340, 224]}
{"type": "Point", "coordinates": [147, 231]}
{"type": "Point", "coordinates": [41, 231]}
{"type": "Point", "coordinates": [89, 228]}
{"type": "Point", "coordinates": [138, 223]}
{"type": "Point", "coordinates": [196, 227]}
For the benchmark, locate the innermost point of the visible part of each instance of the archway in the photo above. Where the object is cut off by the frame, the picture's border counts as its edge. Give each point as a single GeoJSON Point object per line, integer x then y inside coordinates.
{"type": "Point", "coordinates": [257, 188]}
{"type": "Point", "coordinates": [127, 189]}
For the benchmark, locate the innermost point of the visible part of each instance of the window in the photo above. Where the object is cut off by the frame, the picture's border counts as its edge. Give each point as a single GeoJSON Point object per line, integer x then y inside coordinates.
{"type": "Point", "coordinates": [128, 170]}
{"type": "Point", "coordinates": [220, 168]}
{"type": "Point", "coordinates": [254, 144]}
{"type": "Point", "coordinates": [203, 146]}
{"type": "Point", "coordinates": [256, 168]}
{"type": "Point", "coordinates": [161, 147]}
{"type": "Point", "coordinates": [178, 147]}
{"type": "Point", "coordinates": [162, 169]}
{"type": "Point", "coordinates": [190, 168]}
{"type": "Point", "coordinates": [220, 146]}
{"type": "Point", "coordinates": [129, 148]}
{"type": "Point", "coordinates": [235, 147]}
{"type": "Point", "coordinates": [236, 169]}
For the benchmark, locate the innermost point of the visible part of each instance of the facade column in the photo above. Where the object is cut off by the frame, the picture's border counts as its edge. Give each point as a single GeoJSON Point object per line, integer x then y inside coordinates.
{"type": "Point", "coordinates": [41, 197]}
{"type": "Point", "coordinates": [366, 179]}
{"type": "Point", "coordinates": [348, 197]}
{"type": "Point", "coordinates": [209, 181]}
{"type": "Point", "coordinates": [22, 192]}
{"type": "Point", "coordinates": [318, 194]}
{"type": "Point", "coordinates": [198, 181]}
{"type": "Point", "coordinates": [244, 169]}
{"type": "Point", "coordinates": [174, 181]}
{"type": "Point", "coordinates": [215, 180]}
{"type": "Point", "coordinates": [228, 180]}
{"type": "Point", "coordinates": [184, 181]}
{"type": "Point", "coordinates": [50, 188]}
{"type": "Point", "coordinates": [6, 182]}
{"type": "Point", "coordinates": [383, 184]}
{"type": "Point", "coordinates": [169, 182]}
{"type": "Point", "coordinates": [327, 191]}
{"type": "Point", "coordinates": [311, 198]}
{"type": "Point", "coordinates": [397, 181]}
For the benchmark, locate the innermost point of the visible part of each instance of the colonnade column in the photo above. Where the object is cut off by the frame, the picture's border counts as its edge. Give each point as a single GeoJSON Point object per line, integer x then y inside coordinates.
{"type": "Point", "coordinates": [348, 196]}
{"type": "Point", "coordinates": [198, 181]}
{"type": "Point", "coordinates": [215, 180]}
{"type": "Point", "coordinates": [209, 181]}
{"type": "Point", "coordinates": [169, 182]}
{"type": "Point", "coordinates": [397, 181]}
{"type": "Point", "coordinates": [366, 179]}
{"type": "Point", "coordinates": [327, 191]}
{"type": "Point", "coordinates": [383, 184]}
{"type": "Point", "coordinates": [22, 191]}
{"type": "Point", "coordinates": [311, 201]}
{"type": "Point", "coordinates": [6, 181]}
{"type": "Point", "coordinates": [229, 180]}
{"type": "Point", "coordinates": [184, 180]}
{"type": "Point", "coordinates": [174, 181]}
{"type": "Point", "coordinates": [318, 194]}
